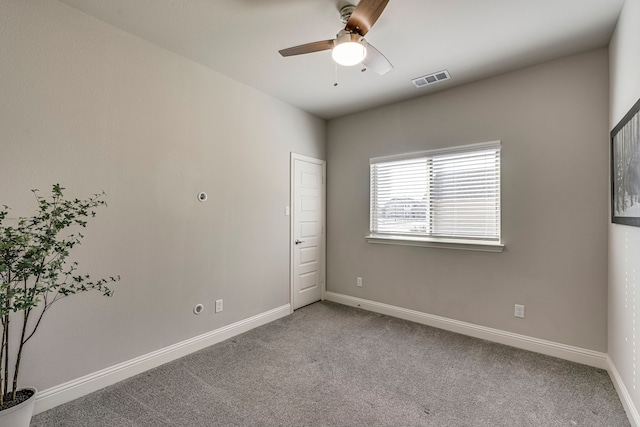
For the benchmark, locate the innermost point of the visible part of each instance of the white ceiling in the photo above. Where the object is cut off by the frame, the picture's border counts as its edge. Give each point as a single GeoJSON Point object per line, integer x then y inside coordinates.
{"type": "Point", "coordinates": [473, 39]}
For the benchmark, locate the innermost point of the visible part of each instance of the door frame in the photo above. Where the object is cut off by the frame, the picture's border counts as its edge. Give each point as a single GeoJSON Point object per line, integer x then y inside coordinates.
{"type": "Point", "coordinates": [323, 237]}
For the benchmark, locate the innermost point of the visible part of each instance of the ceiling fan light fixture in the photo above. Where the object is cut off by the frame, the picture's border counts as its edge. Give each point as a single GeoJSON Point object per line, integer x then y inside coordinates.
{"type": "Point", "coordinates": [349, 49]}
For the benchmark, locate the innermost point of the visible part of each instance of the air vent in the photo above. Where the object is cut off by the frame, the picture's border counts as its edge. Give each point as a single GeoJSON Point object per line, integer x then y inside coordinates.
{"type": "Point", "coordinates": [431, 78]}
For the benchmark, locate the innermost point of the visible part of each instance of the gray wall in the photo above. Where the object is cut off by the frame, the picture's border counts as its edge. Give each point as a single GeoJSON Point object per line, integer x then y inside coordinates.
{"type": "Point", "coordinates": [94, 108]}
{"type": "Point", "coordinates": [552, 121]}
{"type": "Point", "coordinates": [624, 241]}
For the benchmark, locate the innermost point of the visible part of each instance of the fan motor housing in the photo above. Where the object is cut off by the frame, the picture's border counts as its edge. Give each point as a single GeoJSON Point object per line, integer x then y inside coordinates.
{"type": "Point", "coordinates": [345, 37]}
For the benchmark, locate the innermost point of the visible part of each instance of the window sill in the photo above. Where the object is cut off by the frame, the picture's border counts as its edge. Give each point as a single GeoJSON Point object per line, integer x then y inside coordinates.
{"type": "Point", "coordinates": [467, 245]}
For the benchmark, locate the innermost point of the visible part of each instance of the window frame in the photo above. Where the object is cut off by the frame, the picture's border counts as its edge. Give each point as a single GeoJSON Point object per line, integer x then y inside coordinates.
{"type": "Point", "coordinates": [448, 242]}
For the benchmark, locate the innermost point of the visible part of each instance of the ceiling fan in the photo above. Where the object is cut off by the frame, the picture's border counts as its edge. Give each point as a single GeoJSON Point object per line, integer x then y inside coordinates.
{"type": "Point", "coordinates": [349, 47]}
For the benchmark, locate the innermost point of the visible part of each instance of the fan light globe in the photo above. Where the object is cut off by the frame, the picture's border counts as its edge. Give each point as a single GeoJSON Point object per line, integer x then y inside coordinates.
{"type": "Point", "coordinates": [349, 49]}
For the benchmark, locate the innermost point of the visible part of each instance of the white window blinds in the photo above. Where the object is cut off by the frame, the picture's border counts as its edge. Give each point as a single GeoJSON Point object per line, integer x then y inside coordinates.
{"type": "Point", "coordinates": [441, 194]}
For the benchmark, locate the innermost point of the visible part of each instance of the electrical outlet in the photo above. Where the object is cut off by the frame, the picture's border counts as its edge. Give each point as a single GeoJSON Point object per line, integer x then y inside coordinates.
{"type": "Point", "coordinates": [519, 311]}
{"type": "Point", "coordinates": [218, 305]}
{"type": "Point", "coordinates": [359, 282]}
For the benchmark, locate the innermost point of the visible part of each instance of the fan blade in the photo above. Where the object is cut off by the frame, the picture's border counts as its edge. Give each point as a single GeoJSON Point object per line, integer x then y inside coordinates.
{"type": "Point", "coordinates": [365, 15]}
{"type": "Point", "coordinates": [376, 61]}
{"type": "Point", "coordinates": [308, 48]}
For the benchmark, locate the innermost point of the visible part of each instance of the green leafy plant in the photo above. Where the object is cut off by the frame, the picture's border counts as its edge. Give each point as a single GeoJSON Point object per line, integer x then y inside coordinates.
{"type": "Point", "coordinates": [35, 273]}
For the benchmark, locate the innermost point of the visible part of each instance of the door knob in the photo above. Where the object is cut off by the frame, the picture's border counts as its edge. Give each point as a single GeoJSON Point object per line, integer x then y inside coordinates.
{"type": "Point", "coordinates": [297, 242]}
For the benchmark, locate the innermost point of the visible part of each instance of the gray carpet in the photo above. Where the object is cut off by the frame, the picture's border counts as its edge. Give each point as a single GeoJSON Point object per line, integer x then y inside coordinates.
{"type": "Point", "coordinates": [332, 365]}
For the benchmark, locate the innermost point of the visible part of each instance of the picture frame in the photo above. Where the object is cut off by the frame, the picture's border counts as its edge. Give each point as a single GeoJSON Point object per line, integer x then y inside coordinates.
{"type": "Point", "coordinates": [625, 169]}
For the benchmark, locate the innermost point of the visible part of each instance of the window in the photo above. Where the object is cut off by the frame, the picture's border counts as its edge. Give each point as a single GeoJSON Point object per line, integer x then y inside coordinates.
{"type": "Point", "coordinates": [445, 198]}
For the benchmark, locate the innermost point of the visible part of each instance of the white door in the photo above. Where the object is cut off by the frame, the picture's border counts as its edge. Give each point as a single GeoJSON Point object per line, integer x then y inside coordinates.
{"type": "Point", "coordinates": [308, 238]}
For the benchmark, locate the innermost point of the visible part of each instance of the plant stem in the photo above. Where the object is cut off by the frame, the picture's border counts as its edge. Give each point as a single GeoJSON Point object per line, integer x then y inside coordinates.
{"type": "Point", "coordinates": [45, 306]}
{"type": "Point", "coordinates": [3, 355]}
{"type": "Point", "coordinates": [19, 355]}
{"type": "Point", "coordinates": [5, 341]}
{"type": "Point", "coordinates": [16, 370]}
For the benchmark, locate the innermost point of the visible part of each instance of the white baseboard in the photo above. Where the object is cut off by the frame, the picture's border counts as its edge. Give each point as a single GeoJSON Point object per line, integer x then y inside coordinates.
{"type": "Point", "coordinates": [550, 348]}
{"type": "Point", "coordinates": [79, 387]}
{"type": "Point", "coordinates": [623, 393]}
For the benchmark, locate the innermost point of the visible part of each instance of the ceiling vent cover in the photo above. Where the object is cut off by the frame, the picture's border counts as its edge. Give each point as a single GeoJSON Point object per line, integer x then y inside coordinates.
{"type": "Point", "coordinates": [431, 78]}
